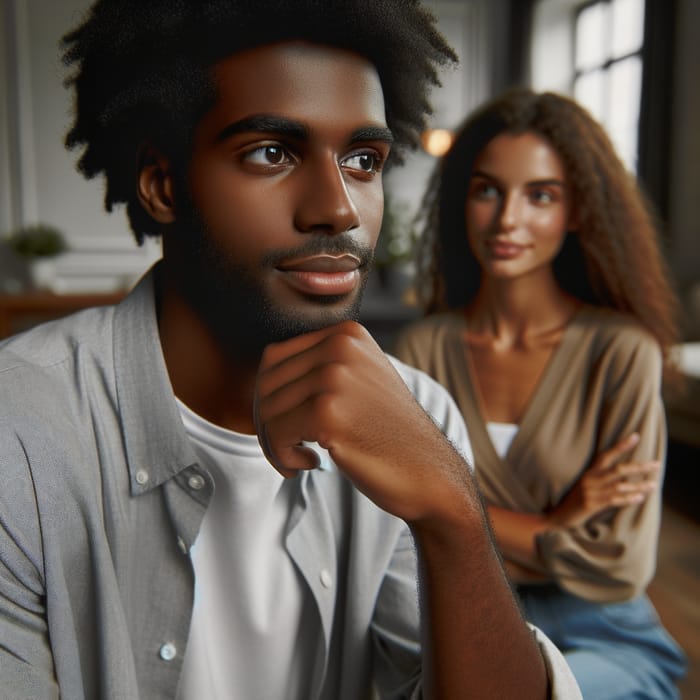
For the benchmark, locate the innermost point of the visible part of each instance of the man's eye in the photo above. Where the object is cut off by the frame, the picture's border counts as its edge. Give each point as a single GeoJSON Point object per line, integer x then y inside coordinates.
{"type": "Point", "coordinates": [364, 162]}
{"type": "Point", "coordinates": [268, 155]}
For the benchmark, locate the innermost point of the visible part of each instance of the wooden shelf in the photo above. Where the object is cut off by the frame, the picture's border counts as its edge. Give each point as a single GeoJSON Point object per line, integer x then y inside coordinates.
{"type": "Point", "coordinates": [19, 312]}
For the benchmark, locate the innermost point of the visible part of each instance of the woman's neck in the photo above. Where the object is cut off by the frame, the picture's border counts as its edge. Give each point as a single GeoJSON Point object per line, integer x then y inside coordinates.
{"type": "Point", "coordinates": [520, 312]}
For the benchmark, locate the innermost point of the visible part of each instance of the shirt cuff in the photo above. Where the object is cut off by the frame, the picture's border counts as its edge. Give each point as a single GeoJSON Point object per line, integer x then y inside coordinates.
{"type": "Point", "coordinates": [562, 684]}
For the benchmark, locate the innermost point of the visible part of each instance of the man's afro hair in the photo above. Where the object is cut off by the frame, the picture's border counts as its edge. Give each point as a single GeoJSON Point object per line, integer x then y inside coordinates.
{"type": "Point", "coordinates": [141, 71]}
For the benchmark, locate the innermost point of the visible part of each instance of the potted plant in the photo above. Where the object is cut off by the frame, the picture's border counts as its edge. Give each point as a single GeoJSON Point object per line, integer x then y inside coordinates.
{"type": "Point", "coordinates": [395, 247]}
{"type": "Point", "coordinates": [38, 245]}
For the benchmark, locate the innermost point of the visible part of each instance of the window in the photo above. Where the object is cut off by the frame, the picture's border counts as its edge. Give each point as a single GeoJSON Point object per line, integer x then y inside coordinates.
{"type": "Point", "coordinates": [608, 41]}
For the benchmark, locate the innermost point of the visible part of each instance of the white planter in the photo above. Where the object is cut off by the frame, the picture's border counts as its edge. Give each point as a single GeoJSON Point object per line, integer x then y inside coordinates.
{"type": "Point", "coordinates": [42, 273]}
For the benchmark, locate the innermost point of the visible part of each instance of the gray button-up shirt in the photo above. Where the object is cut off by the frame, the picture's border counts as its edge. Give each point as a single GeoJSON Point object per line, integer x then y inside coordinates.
{"type": "Point", "coordinates": [102, 498]}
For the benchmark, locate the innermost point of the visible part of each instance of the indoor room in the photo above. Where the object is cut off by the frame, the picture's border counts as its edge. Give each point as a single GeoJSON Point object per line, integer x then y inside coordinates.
{"type": "Point", "coordinates": [632, 64]}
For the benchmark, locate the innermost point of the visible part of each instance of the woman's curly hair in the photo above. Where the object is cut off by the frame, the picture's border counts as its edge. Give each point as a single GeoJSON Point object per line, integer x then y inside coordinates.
{"type": "Point", "coordinates": [613, 259]}
{"type": "Point", "coordinates": [142, 71]}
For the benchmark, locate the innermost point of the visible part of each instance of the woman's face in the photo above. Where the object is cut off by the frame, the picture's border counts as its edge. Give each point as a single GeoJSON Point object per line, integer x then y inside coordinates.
{"type": "Point", "coordinates": [517, 208]}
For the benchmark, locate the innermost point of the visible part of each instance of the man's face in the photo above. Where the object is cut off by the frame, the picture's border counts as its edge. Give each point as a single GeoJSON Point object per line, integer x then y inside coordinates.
{"type": "Point", "coordinates": [285, 194]}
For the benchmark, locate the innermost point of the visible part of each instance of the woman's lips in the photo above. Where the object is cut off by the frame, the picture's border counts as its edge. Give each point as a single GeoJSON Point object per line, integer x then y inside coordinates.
{"type": "Point", "coordinates": [322, 275]}
{"type": "Point", "coordinates": [504, 250]}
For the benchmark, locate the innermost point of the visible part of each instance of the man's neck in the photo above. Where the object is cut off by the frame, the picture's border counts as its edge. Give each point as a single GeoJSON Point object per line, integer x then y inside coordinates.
{"type": "Point", "coordinates": [203, 376]}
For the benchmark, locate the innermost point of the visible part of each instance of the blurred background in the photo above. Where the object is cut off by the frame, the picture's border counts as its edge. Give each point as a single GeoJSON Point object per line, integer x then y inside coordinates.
{"type": "Point", "coordinates": [633, 63]}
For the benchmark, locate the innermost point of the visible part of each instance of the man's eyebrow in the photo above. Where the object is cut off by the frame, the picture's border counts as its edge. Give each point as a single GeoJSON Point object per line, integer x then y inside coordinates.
{"type": "Point", "coordinates": [264, 123]}
{"type": "Point", "coordinates": [372, 133]}
{"type": "Point", "coordinates": [272, 124]}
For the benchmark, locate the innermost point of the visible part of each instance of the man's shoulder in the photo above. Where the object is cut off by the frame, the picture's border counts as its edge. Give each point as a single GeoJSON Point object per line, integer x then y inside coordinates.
{"type": "Point", "coordinates": [422, 385]}
{"type": "Point", "coordinates": [438, 403]}
{"type": "Point", "coordinates": [43, 369]}
{"type": "Point", "coordinates": [52, 342]}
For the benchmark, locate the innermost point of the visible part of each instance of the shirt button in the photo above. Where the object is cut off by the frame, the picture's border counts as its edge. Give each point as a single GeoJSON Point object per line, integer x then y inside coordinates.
{"type": "Point", "coordinates": [195, 482]}
{"type": "Point", "coordinates": [326, 578]}
{"type": "Point", "coordinates": [141, 477]}
{"type": "Point", "coordinates": [168, 651]}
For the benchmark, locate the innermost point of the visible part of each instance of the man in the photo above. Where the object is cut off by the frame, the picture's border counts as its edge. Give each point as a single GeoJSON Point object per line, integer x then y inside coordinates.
{"type": "Point", "coordinates": [148, 548]}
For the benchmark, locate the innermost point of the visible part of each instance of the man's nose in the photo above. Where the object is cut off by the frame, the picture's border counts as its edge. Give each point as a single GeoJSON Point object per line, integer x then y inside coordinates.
{"type": "Point", "coordinates": [324, 203]}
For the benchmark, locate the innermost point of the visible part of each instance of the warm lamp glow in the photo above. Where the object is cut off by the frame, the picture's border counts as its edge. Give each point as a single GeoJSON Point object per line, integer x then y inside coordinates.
{"type": "Point", "coordinates": [437, 142]}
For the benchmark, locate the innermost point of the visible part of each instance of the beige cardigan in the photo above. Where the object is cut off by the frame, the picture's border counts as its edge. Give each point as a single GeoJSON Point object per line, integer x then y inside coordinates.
{"type": "Point", "coordinates": [602, 383]}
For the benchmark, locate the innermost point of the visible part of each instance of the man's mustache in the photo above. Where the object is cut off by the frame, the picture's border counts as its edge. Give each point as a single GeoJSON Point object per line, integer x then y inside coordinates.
{"type": "Point", "coordinates": [341, 244]}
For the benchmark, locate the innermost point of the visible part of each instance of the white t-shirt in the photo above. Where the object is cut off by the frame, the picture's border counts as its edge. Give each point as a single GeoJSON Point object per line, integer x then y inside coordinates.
{"type": "Point", "coordinates": [255, 626]}
{"type": "Point", "coordinates": [253, 623]}
{"type": "Point", "coordinates": [501, 435]}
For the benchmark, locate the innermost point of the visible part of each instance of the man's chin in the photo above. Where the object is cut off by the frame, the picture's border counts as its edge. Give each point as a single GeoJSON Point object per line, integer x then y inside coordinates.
{"type": "Point", "coordinates": [314, 313]}
{"type": "Point", "coordinates": [245, 317]}
{"type": "Point", "coordinates": [245, 336]}
{"type": "Point", "coordinates": [290, 325]}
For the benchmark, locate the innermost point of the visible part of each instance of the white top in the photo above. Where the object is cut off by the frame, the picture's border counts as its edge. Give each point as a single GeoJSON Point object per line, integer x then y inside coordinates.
{"type": "Point", "coordinates": [501, 435]}
{"type": "Point", "coordinates": [251, 611]}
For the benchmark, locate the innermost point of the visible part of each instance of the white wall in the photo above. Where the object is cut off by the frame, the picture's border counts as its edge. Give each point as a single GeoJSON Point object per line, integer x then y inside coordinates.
{"type": "Point", "coordinates": [38, 179]}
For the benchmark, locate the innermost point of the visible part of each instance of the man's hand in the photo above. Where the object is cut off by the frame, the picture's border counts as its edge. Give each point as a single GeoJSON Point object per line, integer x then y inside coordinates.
{"type": "Point", "coordinates": [336, 387]}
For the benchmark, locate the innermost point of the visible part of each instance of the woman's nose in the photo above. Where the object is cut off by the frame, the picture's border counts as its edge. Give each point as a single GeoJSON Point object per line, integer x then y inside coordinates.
{"type": "Point", "coordinates": [510, 211]}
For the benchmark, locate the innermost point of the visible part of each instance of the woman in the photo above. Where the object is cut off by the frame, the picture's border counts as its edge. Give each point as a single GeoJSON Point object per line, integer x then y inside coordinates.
{"type": "Point", "coordinates": [550, 320]}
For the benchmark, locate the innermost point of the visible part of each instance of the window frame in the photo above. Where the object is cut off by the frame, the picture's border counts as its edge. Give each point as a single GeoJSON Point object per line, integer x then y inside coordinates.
{"type": "Point", "coordinates": [609, 61]}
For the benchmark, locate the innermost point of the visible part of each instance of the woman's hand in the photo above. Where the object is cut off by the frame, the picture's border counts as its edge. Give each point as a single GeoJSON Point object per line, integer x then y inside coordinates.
{"type": "Point", "coordinates": [610, 482]}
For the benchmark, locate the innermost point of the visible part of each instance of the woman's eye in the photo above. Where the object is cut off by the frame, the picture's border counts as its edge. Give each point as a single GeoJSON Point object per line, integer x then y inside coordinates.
{"type": "Point", "coordinates": [483, 190]}
{"type": "Point", "coordinates": [364, 162]}
{"type": "Point", "coordinates": [541, 196]}
{"type": "Point", "coordinates": [268, 155]}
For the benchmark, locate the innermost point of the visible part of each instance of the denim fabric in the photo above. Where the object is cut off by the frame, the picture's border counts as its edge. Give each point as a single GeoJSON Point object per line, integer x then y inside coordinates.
{"type": "Point", "coordinates": [617, 651]}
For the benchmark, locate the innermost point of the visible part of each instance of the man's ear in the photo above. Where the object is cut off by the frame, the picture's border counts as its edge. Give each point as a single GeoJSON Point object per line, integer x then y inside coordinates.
{"type": "Point", "coordinates": [155, 185]}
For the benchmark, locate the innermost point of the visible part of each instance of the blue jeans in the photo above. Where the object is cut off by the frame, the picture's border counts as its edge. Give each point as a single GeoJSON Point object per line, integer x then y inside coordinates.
{"type": "Point", "coordinates": [617, 651]}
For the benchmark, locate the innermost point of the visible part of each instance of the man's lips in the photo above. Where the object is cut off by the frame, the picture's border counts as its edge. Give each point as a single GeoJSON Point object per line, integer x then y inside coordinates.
{"type": "Point", "coordinates": [323, 274]}
{"type": "Point", "coordinates": [322, 263]}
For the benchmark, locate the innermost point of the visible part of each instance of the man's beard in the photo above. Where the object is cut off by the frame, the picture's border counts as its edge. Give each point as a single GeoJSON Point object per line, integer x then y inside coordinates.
{"type": "Point", "coordinates": [234, 303]}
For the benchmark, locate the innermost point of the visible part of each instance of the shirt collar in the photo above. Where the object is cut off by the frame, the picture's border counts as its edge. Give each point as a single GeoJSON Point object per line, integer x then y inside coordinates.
{"type": "Point", "coordinates": [156, 443]}
{"type": "Point", "coordinates": [157, 447]}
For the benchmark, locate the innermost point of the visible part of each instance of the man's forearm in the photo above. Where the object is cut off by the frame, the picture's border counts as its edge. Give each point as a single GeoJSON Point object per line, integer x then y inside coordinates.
{"type": "Point", "coordinates": [476, 643]}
